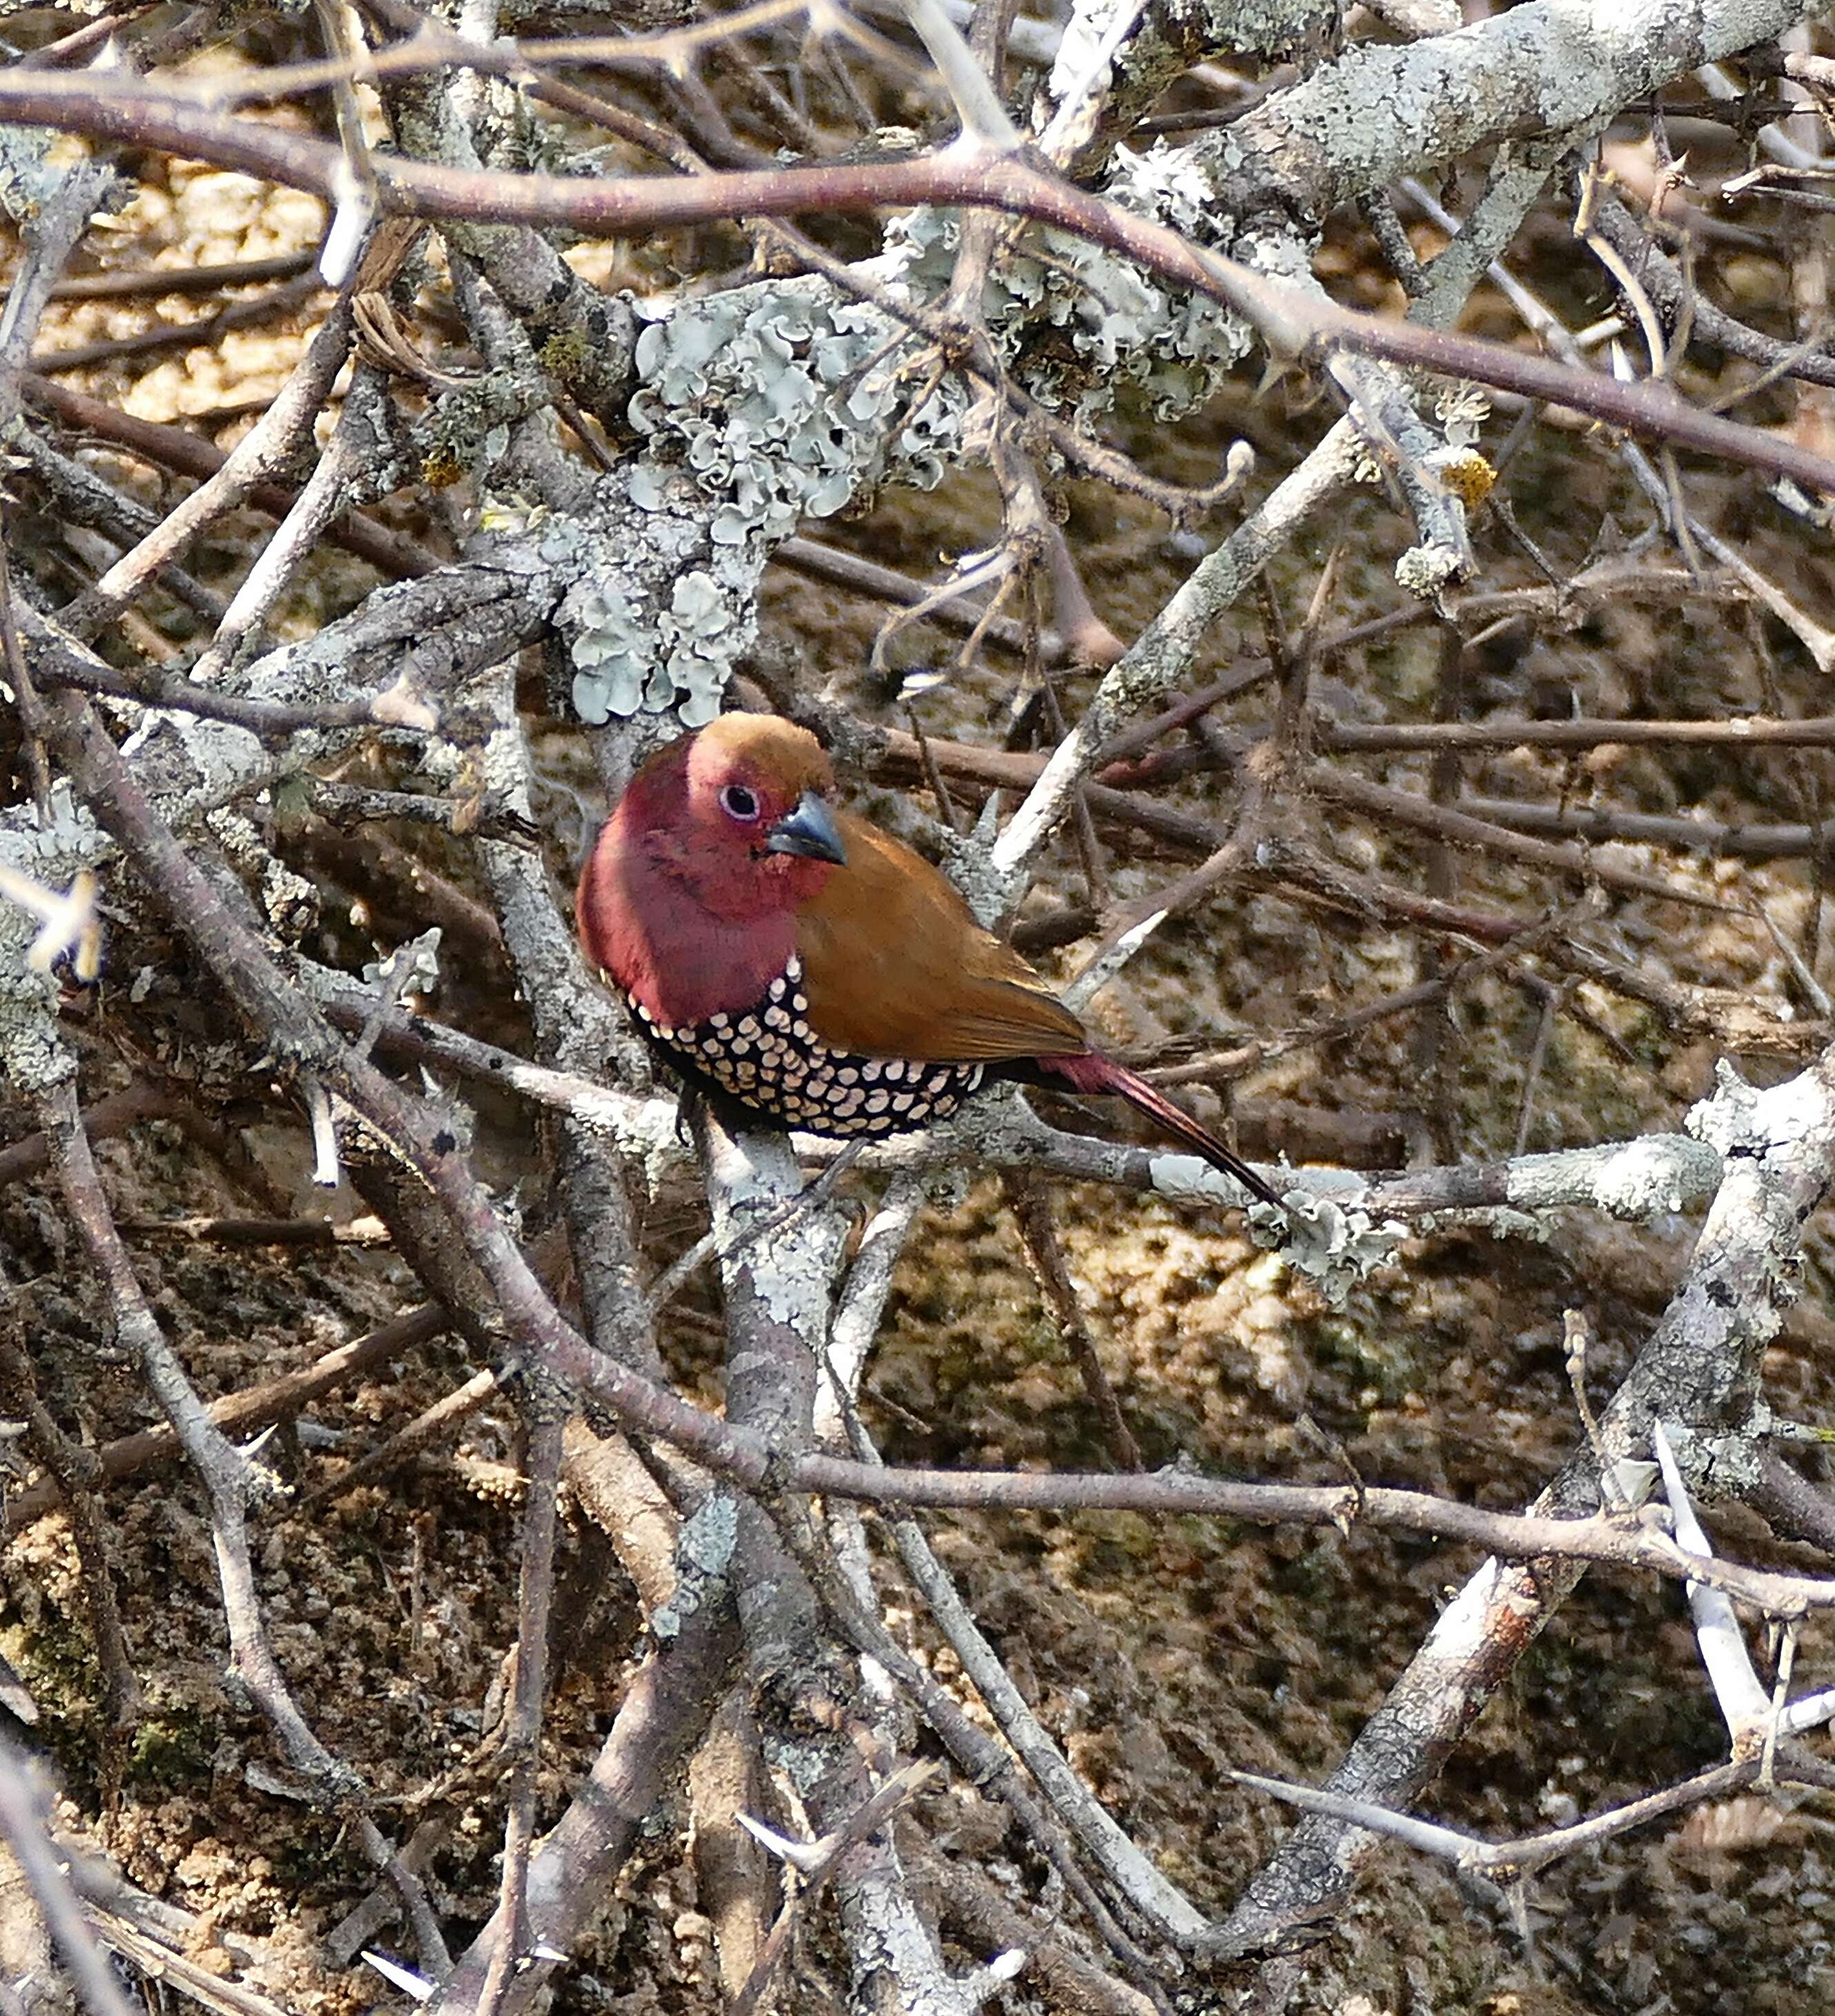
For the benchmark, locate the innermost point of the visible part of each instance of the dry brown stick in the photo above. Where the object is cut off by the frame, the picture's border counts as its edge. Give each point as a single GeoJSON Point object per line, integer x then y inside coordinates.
{"type": "Point", "coordinates": [1120, 758]}
{"type": "Point", "coordinates": [402, 887]}
{"type": "Point", "coordinates": [427, 1236]}
{"type": "Point", "coordinates": [340, 468]}
{"type": "Point", "coordinates": [779, 1301]}
{"type": "Point", "coordinates": [546, 1413]}
{"type": "Point", "coordinates": [1507, 732]}
{"type": "Point", "coordinates": [111, 1115]}
{"type": "Point", "coordinates": [428, 1146]}
{"type": "Point", "coordinates": [1738, 840]}
{"type": "Point", "coordinates": [232, 1486]}
{"type": "Point", "coordinates": [149, 1959]}
{"type": "Point", "coordinates": [264, 452]}
{"type": "Point", "coordinates": [969, 171]}
{"type": "Point", "coordinates": [1031, 1203]}
{"type": "Point", "coordinates": [1469, 829]}
{"type": "Point", "coordinates": [1554, 1005]}
{"type": "Point", "coordinates": [173, 336]}
{"type": "Point", "coordinates": [624, 1501]}
{"type": "Point", "coordinates": [1373, 738]}
{"type": "Point", "coordinates": [864, 577]}
{"type": "Point", "coordinates": [1069, 1812]}
{"type": "Point", "coordinates": [818, 1863]}
{"type": "Point", "coordinates": [204, 1229]}
{"type": "Point", "coordinates": [178, 448]}
{"type": "Point", "coordinates": [1670, 287]}
{"type": "Point", "coordinates": [426, 1426]}
{"type": "Point", "coordinates": [359, 1926]}
{"type": "Point", "coordinates": [1731, 1016]}
{"type": "Point", "coordinates": [1433, 1047]}
{"type": "Point", "coordinates": [1792, 1504]}
{"type": "Point", "coordinates": [664, 1711]}
{"type": "Point", "coordinates": [1135, 740]}
{"type": "Point", "coordinates": [628, 125]}
{"type": "Point", "coordinates": [1527, 1537]}
{"type": "Point", "coordinates": [1092, 642]}
{"type": "Point", "coordinates": [261, 454]}
{"type": "Point", "coordinates": [42, 1871]}
{"type": "Point", "coordinates": [1301, 873]}
{"type": "Point", "coordinates": [82, 45]}
{"type": "Point", "coordinates": [735, 1881]}
{"type": "Point", "coordinates": [1011, 770]}
{"type": "Point", "coordinates": [976, 1904]}
{"type": "Point", "coordinates": [725, 1449]}
{"type": "Point", "coordinates": [1173, 899]}
{"type": "Point", "coordinates": [60, 663]}
{"type": "Point", "coordinates": [1223, 1065]}
{"type": "Point", "coordinates": [155, 281]}
{"type": "Point", "coordinates": [348, 805]}
{"type": "Point", "coordinates": [241, 1413]}
{"type": "Point", "coordinates": [1515, 1858]}
{"type": "Point", "coordinates": [1700, 1367]}
{"type": "Point", "coordinates": [25, 697]}
{"type": "Point", "coordinates": [987, 1762]}
{"type": "Point", "coordinates": [1806, 777]}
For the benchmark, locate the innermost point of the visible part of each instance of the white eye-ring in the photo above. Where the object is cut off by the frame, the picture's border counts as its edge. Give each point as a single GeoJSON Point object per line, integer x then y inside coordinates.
{"type": "Point", "coordinates": [738, 803]}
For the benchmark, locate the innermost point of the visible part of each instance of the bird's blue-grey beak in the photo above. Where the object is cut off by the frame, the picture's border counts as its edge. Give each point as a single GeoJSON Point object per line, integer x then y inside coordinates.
{"type": "Point", "coordinates": [810, 830]}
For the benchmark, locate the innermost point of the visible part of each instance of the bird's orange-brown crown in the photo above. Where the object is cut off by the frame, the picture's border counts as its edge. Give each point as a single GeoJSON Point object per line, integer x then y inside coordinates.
{"type": "Point", "coordinates": [773, 757]}
{"type": "Point", "coordinates": [739, 783]}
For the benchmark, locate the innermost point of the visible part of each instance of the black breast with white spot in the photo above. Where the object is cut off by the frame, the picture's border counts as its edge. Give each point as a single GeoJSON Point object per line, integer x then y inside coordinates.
{"type": "Point", "coordinates": [768, 1058]}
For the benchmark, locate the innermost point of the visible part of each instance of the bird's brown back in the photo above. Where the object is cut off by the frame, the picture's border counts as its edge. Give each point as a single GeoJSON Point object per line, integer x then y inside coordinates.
{"type": "Point", "coordinates": [895, 965]}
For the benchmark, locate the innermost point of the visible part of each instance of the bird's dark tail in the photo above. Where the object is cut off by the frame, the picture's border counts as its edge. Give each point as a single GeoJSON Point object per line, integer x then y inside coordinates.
{"type": "Point", "coordinates": [1089, 1071]}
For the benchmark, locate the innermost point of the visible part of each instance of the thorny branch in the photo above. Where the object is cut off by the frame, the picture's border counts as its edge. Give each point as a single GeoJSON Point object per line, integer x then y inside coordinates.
{"type": "Point", "coordinates": [590, 460]}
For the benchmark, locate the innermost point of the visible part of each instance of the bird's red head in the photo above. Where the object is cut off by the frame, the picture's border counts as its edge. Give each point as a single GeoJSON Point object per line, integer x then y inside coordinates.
{"type": "Point", "coordinates": [693, 888]}
{"type": "Point", "coordinates": [757, 792]}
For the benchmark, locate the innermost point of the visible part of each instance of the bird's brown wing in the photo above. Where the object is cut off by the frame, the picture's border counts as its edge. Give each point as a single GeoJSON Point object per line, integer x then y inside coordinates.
{"type": "Point", "coordinates": [894, 965]}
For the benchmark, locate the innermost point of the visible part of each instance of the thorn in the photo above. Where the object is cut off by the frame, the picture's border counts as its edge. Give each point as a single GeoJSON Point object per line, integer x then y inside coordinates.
{"type": "Point", "coordinates": [801, 1855]}
{"type": "Point", "coordinates": [354, 212]}
{"type": "Point", "coordinates": [325, 1170]}
{"type": "Point", "coordinates": [401, 1977]}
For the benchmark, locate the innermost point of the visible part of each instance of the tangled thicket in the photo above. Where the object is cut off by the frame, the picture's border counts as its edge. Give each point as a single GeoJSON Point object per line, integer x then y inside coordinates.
{"type": "Point", "coordinates": [1317, 515]}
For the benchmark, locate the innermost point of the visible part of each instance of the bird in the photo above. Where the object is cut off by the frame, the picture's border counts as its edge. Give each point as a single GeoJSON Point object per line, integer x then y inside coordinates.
{"type": "Point", "coordinates": [793, 959]}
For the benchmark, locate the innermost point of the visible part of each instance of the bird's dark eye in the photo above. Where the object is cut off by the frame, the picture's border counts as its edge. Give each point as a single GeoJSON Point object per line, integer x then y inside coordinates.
{"type": "Point", "coordinates": [738, 803]}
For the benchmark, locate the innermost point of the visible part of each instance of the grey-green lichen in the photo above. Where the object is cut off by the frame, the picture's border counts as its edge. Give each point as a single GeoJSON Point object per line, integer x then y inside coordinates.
{"type": "Point", "coordinates": [34, 1058]}
{"type": "Point", "coordinates": [35, 165]}
{"type": "Point", "coordinates": [777, 402]}
{"type": "Point", "coordinates": [764, 404]}
{"type": "Point", "coordinates": [467, 429]}
{"type": "Point", "coordinates": [1424, 570]}
{"type": "Point", "coordinates": [1334, 1246]}
{"type": "Point", "coordinates": [703, 1559]}
{"type": "Point", "coordinates": [758, 407]}
{"type": "Point", "coordinates": [653, 615]}
{"type": "Point", "coordinates": [1123, 328]}
{"type": "Point", "coordinates": [627, 658]}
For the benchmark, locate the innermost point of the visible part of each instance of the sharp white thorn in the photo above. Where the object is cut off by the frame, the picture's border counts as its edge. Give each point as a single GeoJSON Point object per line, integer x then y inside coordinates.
{"type": "Point", "coordinates": [401, 1977]}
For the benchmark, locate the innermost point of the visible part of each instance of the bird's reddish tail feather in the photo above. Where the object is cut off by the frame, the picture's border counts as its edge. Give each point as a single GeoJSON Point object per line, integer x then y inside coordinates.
{"type": "Point", "coordinates": [1090, 1071]}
